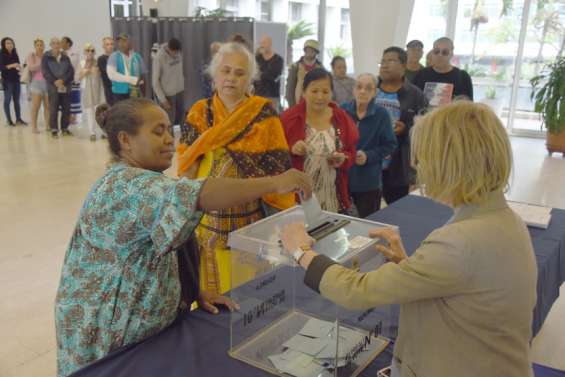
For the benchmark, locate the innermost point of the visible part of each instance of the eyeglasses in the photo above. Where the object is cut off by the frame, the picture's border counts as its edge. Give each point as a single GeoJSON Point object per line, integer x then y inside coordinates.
{"type": "Point", "coordinates": [389, 61]}
{"type": "Point", "coordinates": [444, 52]}
{"type": "Point", "coordinates": [367, 88]}
{"type": "Point", "coordinates": [90, 50]}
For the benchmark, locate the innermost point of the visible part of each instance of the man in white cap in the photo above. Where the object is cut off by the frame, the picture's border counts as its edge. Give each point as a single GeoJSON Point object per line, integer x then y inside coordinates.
{"type": "Point", "coordinates": [298, 70]}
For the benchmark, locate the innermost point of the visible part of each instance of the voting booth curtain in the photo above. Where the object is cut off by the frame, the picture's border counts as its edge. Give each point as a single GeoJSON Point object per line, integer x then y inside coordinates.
{"type": "Point", "coordinates": [196, 35]}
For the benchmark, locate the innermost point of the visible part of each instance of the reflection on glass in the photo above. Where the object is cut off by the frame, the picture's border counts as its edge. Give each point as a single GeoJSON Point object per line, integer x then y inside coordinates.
{"type": "Point", "coordinates": [428, 22]}
{"type": "Point", "coordinates": [545, 38]}
{"type": "Point", "coordinates": [486, 43]}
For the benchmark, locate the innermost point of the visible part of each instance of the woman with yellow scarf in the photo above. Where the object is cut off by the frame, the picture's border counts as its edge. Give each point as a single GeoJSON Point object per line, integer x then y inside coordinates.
{"type": "Point", "coordinates": [232, 135]}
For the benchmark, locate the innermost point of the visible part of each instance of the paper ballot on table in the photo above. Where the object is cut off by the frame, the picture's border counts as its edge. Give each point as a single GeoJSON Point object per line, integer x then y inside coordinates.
{"type": "Point", "coordinates": [305, 344]}
{"type": "Point", "coordinates": [312, 211]}
{"type": "Point", "coordinates": [316, 328]}
{"type": "Point", "coordinates": [296, 364]}
{"type": "Point", "coordinates": [532, 215]}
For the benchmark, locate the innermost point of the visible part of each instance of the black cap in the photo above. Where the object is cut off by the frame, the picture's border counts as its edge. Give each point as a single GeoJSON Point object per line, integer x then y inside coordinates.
{"type": "Point", "coordinates": [122, 36]}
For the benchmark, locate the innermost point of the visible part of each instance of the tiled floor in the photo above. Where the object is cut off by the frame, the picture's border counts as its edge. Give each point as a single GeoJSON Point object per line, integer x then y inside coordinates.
{"type": "Point", "coordinates": [43, 184]}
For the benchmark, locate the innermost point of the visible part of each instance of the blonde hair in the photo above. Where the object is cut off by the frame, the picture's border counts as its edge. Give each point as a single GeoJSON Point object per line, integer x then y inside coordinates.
{"type": "Point", "coordinates": [461, 153]}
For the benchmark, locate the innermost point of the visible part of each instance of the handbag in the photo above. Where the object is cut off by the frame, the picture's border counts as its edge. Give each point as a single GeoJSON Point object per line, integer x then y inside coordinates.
{"type": "Point", "coordinates": [25, 75]}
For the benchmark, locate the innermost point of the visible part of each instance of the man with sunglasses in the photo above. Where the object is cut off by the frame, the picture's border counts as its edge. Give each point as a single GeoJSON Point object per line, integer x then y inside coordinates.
{"type": "Point", "coordinates": [443, 82]}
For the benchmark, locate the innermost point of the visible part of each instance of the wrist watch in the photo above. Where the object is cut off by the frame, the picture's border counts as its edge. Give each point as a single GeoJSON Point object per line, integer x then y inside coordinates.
{"type": "Point", "coordinates": [299, 253]}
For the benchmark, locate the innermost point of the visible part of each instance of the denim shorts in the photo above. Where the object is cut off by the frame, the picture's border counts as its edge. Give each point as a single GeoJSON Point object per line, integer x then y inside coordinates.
{"type": "Point", "coordinates": [38, 87]}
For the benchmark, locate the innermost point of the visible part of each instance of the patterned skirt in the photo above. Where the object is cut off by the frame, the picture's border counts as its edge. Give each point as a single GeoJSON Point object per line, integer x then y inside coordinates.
{"type": "Point", "coordinates": [75, 98]}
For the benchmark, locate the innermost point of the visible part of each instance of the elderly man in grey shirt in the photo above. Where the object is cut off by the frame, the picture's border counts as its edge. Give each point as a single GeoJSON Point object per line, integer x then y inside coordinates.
{"type": "Point", "coordinates": [168, 80]}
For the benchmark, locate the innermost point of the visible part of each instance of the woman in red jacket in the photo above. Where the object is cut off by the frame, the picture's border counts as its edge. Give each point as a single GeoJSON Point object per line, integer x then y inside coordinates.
{"type": "Point", "coordinates": [322, 140]}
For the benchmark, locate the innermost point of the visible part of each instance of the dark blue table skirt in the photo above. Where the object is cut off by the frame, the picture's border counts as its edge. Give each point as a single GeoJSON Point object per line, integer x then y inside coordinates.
{"type": "Point", "coordinates": [197, 343]}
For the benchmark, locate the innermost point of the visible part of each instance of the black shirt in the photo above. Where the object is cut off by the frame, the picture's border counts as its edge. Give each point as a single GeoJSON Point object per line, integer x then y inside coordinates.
{"type": "Point", "coordinates": [271, 70]}
{"type": "Point", "coordinates": [102, 63]}
{"type": "Point", "coordinates": [11, 75]}
{"type": "Point", "coordinates": [461, 81]}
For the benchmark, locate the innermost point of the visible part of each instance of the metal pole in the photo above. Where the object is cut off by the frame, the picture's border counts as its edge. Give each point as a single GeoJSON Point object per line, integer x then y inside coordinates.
{"type": "Point", "coordinates": [322, 27]}
{"type": "Point", "coordinates": [518, 65]}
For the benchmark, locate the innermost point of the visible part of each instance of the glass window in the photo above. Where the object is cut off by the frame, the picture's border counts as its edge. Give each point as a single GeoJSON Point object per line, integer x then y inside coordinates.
{"type": "Point", "coordinates": [118, 10]}
{"type": "Point", "coordinates": [345, 28]}
{"type": "Point", "coordinates": [486, 44]}
{"type": "Point", "coordinates": [545, 38]}
{"type": "Point", "coordinates": [295, 11]}
{"type": "Point", "coordinates": [230, 7]}
{"type": "Point", "coordinates": [264, 9]}
{"type": "Point", "coordinates": [428, 22]}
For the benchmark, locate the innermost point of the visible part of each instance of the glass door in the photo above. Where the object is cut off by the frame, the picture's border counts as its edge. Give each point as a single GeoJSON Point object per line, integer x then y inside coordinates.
{"type": "Point", "coordinates": [543, 41]}
{"type": "Point", "coordinates": [486, 45]}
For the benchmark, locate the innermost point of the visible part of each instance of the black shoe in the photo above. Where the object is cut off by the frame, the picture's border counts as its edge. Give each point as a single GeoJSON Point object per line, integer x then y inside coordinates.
{"type": "Point", "coordinates": [10, 124]}
{"type": "Point", "coordinates": [67, 133]}
{"type": "Point", "coordinates": [20, 122]}
{"type": "Point", "coordinates": [54, 134]}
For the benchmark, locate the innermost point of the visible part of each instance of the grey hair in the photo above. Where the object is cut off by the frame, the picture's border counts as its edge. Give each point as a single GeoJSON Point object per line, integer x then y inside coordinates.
{"type": "Point", "coordinates": [233, 48]}
{"type": "Point", "coordinates": [373, 77]}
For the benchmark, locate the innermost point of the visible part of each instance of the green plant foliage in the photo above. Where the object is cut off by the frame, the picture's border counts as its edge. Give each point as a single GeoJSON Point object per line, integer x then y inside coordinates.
{"type": "Point", "coordinates": [338, 50]}
{"type": "Point", "coordinates": [548, 90]}
{"type": "Point", "coordinates": [300, 30]}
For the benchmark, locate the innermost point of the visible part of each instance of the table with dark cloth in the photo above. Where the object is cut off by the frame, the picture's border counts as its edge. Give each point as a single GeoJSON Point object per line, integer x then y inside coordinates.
{"type": "Point", "coordinates": [197, 343]}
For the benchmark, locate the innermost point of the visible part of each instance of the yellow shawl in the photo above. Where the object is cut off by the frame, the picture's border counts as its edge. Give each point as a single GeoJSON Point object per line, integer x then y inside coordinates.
{"type": "Point", "coordinates": [252, 134]}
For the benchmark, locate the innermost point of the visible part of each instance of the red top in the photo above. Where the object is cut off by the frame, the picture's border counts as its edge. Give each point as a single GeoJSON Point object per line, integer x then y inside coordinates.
{"type": "Point", "coordinates": [294, 124]}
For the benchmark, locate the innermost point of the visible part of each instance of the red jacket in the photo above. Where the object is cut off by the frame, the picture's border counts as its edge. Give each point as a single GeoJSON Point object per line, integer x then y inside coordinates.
{"type": "Point", "coordinates": [294, 124]}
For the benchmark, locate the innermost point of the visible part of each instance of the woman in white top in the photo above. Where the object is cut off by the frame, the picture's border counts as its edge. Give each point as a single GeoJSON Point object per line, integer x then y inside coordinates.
{"type": "Point", "coordinates": [91, 89]}
{"type": "Point", "coordinates": [467, 293]}
{"type": "Point", "coordinates": [38, 85]}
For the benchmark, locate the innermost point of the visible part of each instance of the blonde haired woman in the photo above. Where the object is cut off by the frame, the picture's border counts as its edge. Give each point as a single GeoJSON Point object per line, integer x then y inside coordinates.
{"type": "Point", "coordinates": [468, 291]}
{"type": "Point", "coordinates": [38, 85]}
{"type": "Point", "coordinates": [235, 135]}
{"type": "Point", "coordinates": [91, 88]}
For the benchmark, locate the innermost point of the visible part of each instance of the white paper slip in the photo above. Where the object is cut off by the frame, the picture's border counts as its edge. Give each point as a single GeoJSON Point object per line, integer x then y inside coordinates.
{"type": "Point", "coordinates": [296, 364]}
{"type": "Point", "coordinates": [536, 216]}
{"type": "Point", "coordinates": [360, 242]}
{"type": "Point", "coordinates": [348, 340]}
{"type": "Point", "coordinates": [316, 328]}
{"type": "Point", "coordinates": [305, 344]}
{"type": "Point", "coordinates": [312, 211]}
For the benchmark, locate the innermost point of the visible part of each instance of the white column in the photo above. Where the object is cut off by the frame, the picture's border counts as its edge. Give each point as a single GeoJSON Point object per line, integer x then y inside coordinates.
{"type": "Point", "coordinates": [451, 19]}
{"type": "Point", "coordinates": [376, 25]}
{"type": "Point", "coordinates": [322, 28]}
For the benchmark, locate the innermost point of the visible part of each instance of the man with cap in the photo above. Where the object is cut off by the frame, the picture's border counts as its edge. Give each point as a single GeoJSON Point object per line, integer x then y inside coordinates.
{"type": "Point", "coordinates": [298, 70]}
{"type": "Point", "coordinates": [125, 69]}
{"type": "Point", "coordinates": [415, 51]}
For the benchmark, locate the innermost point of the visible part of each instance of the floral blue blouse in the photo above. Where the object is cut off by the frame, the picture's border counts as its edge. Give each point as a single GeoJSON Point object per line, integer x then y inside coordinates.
{"type": "Point", "coordinates": [120, 280]}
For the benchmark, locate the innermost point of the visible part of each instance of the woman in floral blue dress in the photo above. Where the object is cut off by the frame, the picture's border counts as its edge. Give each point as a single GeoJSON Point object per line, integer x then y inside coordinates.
{"type": "Point", "coordinates": [120, 281]}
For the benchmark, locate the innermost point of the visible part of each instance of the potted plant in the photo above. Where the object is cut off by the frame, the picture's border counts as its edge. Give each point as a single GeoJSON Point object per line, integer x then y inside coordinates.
{"type": "Point", "coordinates": [548, 90]}
{"type": "Point", "coordinates": [492, 100]}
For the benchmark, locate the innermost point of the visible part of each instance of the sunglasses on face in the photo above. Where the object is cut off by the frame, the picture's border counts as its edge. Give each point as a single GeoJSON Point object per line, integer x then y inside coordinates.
{"type": "Point", "coordinates": [89, 50]}
{"type": "Point", "coordinates": [444, 52]}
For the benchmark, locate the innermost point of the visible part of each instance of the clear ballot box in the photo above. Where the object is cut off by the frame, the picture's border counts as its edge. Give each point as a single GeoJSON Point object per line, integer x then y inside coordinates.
{"type": "Point", "coordinates": [286, 328]}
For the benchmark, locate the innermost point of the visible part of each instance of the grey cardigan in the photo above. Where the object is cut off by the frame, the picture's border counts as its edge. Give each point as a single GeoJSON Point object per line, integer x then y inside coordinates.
{"type": "Point", "coordinates": [466, 294]}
